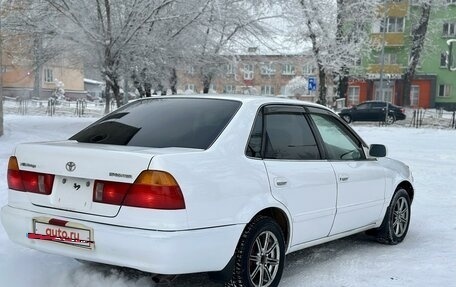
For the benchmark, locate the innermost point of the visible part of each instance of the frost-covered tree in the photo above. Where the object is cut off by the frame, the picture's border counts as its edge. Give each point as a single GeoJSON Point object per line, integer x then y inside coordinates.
{"type": "Point", "coordinates": [1, 69]}
{"type": "Point", "coordinates": [297, 85]}
{"type": "Point", "coordinates": [353, 40]}
{"type": "Point", "coordinates": [30, 37]}
{"type": "Point", "coordinates": [337, 33]}
{"type": "Point", "coordinates": [158, 51]}
{"type": "Point", "coordinates": [107, 30]}
{"type": "Point", "coordinates": [226, 28]}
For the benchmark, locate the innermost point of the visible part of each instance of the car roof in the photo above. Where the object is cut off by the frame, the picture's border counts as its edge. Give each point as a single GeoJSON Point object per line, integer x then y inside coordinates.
{"type": "Point", "coordinates": [381, 102]}
{"type": "Point", "coordinates": [258, 100]}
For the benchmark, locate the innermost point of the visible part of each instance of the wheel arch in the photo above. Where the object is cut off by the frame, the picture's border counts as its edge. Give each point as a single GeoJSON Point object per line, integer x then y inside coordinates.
{"type": "Point", "coordinates": [407, 186]}
{"type": "Point", "coordinates": [282, 220]}
{"type": "Point", "coordinates": [275, 213]}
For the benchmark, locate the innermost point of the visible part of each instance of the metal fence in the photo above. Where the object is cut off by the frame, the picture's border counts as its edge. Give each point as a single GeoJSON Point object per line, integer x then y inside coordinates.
{"type": "Point", "coordinates": [432, 118]}
{"type": "Point", "coordinates": [53, 107]}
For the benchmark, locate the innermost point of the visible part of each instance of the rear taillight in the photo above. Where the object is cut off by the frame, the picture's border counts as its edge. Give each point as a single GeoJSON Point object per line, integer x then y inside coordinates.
{"type": "Point", "coordinates": [110, 192]}
{"type": "Point", "coordinates": [14, 175]}
{"type": "Point", "coordinates": [28, 181]}
{"type": "Point", "coordinates": [151, 189]}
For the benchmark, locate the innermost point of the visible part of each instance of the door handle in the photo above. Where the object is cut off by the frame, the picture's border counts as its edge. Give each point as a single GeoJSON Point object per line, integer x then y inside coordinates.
{"type": "Point", "coordinates": [344, 178]}
{"type": "Point", "coordinates": [280, 181]}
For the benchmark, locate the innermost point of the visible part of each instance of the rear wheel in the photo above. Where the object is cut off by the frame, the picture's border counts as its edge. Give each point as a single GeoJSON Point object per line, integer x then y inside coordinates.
{"type": "Point", "coordinates": [395, 225]}
{"type": "Point", "coordinates": [390, 119]}
{"type": "Point", "coordinates": [260, 255]}
{"type": "Point", "coordinates": [347, 118]}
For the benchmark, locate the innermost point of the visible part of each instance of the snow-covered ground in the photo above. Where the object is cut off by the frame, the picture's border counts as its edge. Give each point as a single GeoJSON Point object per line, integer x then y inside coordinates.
{"type": "Point", "coordinates": [427, 257]}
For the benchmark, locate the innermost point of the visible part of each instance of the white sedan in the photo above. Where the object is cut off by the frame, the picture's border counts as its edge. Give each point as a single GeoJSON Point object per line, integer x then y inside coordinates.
{"type": "Point", "coordinates": [220, 184]}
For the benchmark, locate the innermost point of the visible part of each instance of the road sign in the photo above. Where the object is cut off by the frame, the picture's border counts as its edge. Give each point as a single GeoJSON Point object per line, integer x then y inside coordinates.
{"type": "Point", "coordinates": [312, 84]}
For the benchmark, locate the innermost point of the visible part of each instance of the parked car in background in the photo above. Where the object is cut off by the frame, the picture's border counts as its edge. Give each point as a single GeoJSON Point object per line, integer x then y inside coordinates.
{"type": "Point", "coordinates": [373, 111]}
{"type": "Point", "coordinates": [220, 184]}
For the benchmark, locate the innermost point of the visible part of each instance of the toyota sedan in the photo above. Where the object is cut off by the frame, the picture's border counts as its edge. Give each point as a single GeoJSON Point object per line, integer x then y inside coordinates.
{"type": "Point", "coordinates": [221, 184]}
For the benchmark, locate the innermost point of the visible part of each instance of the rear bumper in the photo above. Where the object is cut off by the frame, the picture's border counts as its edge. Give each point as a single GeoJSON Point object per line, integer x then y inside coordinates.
{"type": "Point", "coordinates": [400, 117]}
{"type": "Point", "coordinates": [162, 252]}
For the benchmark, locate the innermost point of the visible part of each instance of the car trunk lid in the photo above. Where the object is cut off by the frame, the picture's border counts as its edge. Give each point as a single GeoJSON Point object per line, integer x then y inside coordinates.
{"type": "Point", "coordinates": [76, 167]}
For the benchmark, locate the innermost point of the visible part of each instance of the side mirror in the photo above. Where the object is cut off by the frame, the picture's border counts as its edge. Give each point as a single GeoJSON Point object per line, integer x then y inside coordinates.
{"type": "Point", "coordinates": [377, 150]}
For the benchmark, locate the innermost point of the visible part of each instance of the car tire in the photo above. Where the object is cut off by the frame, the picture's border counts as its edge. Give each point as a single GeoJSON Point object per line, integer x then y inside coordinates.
{"type": "Point", "coordinates": [347, 118]}
{"type": "Point", "coordinates": [390, 119]}
{"type": "Point", "coordinates": [259, 256]}
{"type": "Point", "coordinates": [396, 222]}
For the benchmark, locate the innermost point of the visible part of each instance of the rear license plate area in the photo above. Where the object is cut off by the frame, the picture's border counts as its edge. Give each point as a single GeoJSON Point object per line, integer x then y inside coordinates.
{"type": "Point", "coordinates": [71, 233]}
{"type": "Point", "coordinates": [72, 193]}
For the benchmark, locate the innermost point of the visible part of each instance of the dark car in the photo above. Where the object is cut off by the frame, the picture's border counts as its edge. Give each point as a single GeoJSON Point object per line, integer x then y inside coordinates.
{"type": "Point", "coordinates": [373, 111]}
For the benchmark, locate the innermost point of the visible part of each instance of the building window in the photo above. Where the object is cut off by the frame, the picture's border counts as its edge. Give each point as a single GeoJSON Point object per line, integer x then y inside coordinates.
{"type": "Point", "coordinates": [444, 90]}
{"type": "Point", "coordinates": [267, 90]}
{"type": "Point", "coordinates": [444, 59]}
{"type": "Point", "coordinates": [229, 69]}
{"type": "Point", "coordinates": [414, 95]}
{"type": "Point", "coordinates": [390, 59]}
{"type": "Point", "coordinates": [449, 29]}
{"type": "Point", "coordinates": [48, 75]}
{"type": "Point", "coordinates": [248, 71]}
{"type": "Point", "coordinates": [229, 89]}
{"type": "Point", "coordinates": [288, 69]}
{"type": "Point", "coordinates": [392, 25]}
{"type": "Point", "coordinates": [268, 69]}
{"type": "Point", "coordinates": [353, 96]}
{"type": "Point", "coordinates": [308, 69]}
{"type": "Point", "coordinates": [451, 1]}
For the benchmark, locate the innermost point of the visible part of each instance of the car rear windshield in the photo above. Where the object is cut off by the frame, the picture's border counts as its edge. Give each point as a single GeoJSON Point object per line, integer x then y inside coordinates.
{"type": "Point", "coordinates": [165, 122]}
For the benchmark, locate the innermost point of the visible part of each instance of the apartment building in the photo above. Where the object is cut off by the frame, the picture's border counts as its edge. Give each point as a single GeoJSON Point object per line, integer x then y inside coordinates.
{"type": "Point", "coordinates": [433, 85]}
{"type": "Point", "coordinates": [253, 73]}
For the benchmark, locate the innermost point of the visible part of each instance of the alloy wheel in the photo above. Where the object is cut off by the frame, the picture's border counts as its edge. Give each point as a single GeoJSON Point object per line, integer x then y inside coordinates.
{"type": "Point", "coordinates": [264, 259]}
{"type": "Point", "coordinates": [400, 217]}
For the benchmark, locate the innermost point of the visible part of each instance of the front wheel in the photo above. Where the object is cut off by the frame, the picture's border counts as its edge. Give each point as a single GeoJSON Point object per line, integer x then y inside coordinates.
{"type": "Point", "coordinates": [260, 255]}
{"type": "Point", "coordinates": [397, 219]}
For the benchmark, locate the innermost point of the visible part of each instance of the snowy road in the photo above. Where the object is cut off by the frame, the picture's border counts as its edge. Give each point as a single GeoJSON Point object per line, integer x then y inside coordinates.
{"type": "Point", "coordinates": [427, 257]}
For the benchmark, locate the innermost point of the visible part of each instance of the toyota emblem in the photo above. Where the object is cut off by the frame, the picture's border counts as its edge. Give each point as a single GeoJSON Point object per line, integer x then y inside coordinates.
{"type": "Point", "coordinates": [70, 166]}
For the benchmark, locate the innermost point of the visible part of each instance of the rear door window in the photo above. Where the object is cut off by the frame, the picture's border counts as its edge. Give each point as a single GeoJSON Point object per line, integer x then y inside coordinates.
{"type": "Point", "coordinates": [164, 122]}
{"type": "Point", "coordinates": [282, 132]}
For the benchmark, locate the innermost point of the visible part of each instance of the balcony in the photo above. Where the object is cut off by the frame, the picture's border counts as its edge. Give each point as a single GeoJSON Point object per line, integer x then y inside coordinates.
{"type": "Point", "coordinates": [394, 9]}
{"type": "Point", "coordinates": [387, 69]}
{"type": "Point", "coordinates": [391, 39]}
